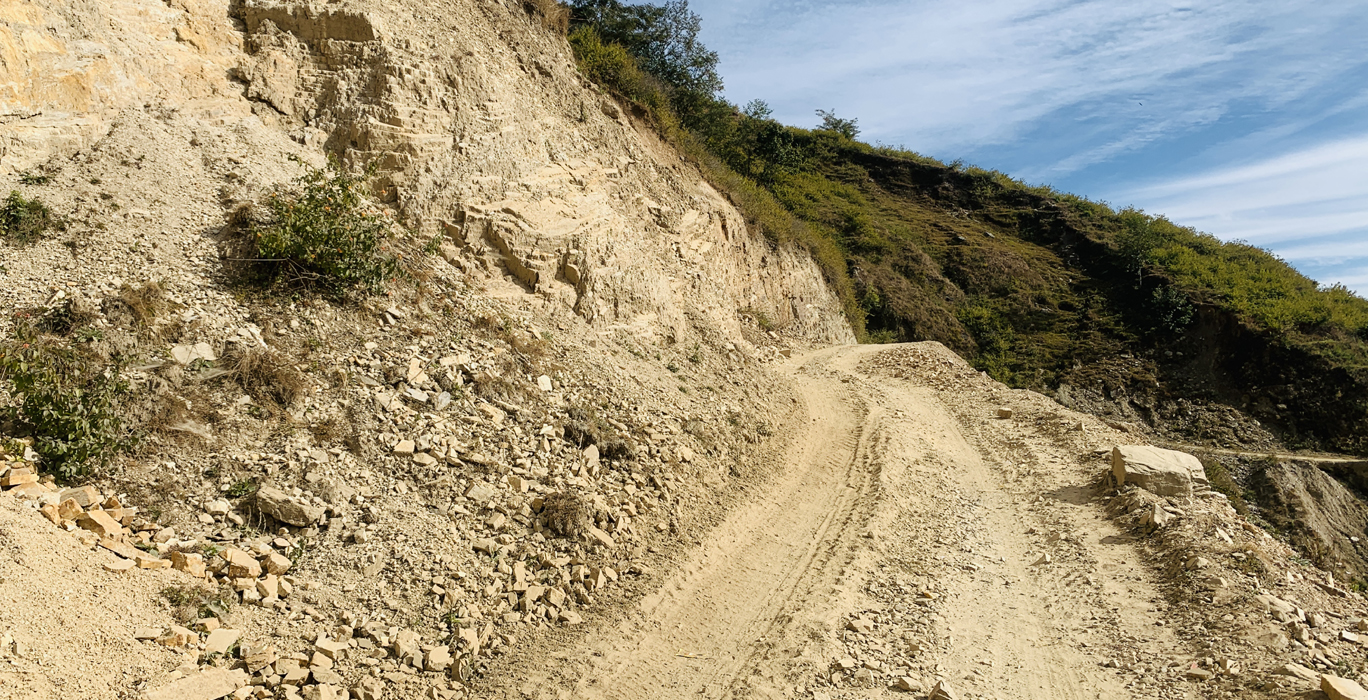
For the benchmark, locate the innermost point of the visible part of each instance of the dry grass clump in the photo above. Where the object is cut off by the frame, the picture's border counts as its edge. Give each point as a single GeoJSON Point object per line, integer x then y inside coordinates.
{"type": "Point", "coordinates": [584, 428]}
{"type": "Point", "coordinates": [190, 603]}
{"type": "Point", "coordinates": [565, 513]}
{"type": "Point", "coordinates": [266, 376]}
{"type": "Point", "coordinates": [553, 15]}
{"type": "Point", "coordinates": [146, 302]}
{"type": "Point", "coordinates": [136, 307]}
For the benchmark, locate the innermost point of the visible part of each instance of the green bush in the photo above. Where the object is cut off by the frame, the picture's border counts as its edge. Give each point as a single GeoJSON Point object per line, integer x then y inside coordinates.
{"type": "Point", "coordinates": [611, 66]}
{"type": "Point", "coordinates": [67, 399]}
{"type": "Point", "coordinates": [323, 233]}
{"type": "Point", "coordinates": [25, 220]}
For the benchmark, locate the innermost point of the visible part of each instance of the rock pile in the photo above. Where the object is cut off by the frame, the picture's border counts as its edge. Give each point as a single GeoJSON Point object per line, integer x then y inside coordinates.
{"type": "Point", "coordinates": [1233, 577]}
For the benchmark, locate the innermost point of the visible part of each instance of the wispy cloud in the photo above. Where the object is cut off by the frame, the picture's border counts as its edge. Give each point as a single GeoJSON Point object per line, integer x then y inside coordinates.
{"type": "Point", "coordinates": [947, 76]}
{"type": "Point", "coordinates": [1243, 118]}
{"type": "Point", "coordinates": [1309, 206]}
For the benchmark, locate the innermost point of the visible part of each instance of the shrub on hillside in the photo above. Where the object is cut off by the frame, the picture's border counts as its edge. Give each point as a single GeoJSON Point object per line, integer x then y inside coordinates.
{"type": "Point", "coordinates": [321, 232]}
{"type": "Point", "coordinates": [611, 66]}
{"type": "Point", "coordinates": [25, 220]}
{"type": "Point", "coordinates": [66, 398]}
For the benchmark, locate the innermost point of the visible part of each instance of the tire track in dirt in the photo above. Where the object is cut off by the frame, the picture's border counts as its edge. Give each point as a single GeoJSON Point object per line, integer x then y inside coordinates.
{"type": "Point", "coordinates": [710, 620]}
{"type": "Point", "coordinates": [901, 503]}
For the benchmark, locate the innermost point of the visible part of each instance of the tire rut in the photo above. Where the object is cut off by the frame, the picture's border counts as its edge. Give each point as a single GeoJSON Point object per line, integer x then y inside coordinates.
{"type": "Point", "coordinates": [756, 573]}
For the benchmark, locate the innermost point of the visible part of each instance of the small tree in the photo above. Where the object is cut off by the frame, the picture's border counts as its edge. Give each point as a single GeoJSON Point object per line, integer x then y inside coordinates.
{"type": "Point", "coordinates": [849, 128]}
{"type": "Point", "coordinates": [663, 38]}
{"type": "Point", "coordinates": [758, 109]}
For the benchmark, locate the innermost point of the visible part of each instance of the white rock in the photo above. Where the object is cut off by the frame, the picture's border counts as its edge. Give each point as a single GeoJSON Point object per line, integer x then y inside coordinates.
{"type": "Point", "coordinates": [185, 354]}
{"type": "Point", "coordinates": [1159, 471]}
{"type": "Point", "coordinates": [1342, 688]}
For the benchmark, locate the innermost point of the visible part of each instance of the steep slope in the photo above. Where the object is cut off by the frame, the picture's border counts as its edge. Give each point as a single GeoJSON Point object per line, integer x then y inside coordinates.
{"type": "Point", "coordinates": [479, 121]}
{"type": "Point", "coordinates": [593, 334]}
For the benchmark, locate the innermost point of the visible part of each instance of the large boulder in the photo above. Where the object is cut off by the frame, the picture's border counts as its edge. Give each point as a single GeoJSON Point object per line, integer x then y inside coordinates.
{"type": "Point", "coordinates": [1159, 471]}
{"type": "Point", "coordinates": [286, 508]}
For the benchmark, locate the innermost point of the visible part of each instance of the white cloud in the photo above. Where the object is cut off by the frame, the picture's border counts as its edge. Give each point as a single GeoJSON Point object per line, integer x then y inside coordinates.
{"type": "Point", "coordinates": [1310, 207]}
{"type": "Point", "coordinates": [956, 77]}
{"type": "Point", "coordinates": [1059, 84]}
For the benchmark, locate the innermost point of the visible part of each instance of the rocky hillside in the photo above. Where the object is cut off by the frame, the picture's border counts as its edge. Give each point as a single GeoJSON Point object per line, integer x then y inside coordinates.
{"type": "Point", "coordinates": [339, 490]}
{"type": "Point", "coordinates": [368, 349]}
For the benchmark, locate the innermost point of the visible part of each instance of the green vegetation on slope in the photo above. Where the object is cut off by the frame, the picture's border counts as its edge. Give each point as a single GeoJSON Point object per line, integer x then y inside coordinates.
{"type": "Point", "coordinates": [1037, 287]}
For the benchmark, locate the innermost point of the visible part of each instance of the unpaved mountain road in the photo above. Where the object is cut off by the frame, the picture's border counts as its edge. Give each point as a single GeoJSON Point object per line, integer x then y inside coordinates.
{"type": "Point", "coordinates": [904, 538]}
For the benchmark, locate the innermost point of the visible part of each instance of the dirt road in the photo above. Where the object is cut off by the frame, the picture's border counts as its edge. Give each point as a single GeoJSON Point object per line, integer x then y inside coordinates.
{"type": "Point", "coordinates": [913, 534]}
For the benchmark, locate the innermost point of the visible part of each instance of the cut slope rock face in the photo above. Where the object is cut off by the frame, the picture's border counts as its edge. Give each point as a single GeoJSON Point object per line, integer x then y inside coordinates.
{"type": "Point", "coordinates": [482, 127]}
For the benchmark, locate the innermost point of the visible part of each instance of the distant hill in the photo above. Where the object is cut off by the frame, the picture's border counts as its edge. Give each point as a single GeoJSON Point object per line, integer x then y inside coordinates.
{"type": "Point", "coordinates": [1050, 291]}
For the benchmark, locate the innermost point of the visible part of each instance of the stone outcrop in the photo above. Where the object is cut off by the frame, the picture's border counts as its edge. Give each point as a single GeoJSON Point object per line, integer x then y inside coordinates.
{"type": "Point", "coordinates": [481, 125]}
{"type": "Point", "coordinates": [1159, 471]}
{"type": "Point", "coordinates": [508, 155]}
{"type": "Point", "coordinates": [68, 68]}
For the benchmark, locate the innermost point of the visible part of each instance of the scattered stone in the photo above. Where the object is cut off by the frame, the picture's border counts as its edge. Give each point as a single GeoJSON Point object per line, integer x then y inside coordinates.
{"type": "Point", "coordinates": [119, 566]}
{"type": "Point", "coordinates": [276, 563]}
{"type": "Point", "coordinates": [908, 685]}
{"type": "Point", "coordinates": [240, 564]}
{"type": "Point", "coordinates": [1004, 413]}
{"type": "Point", "coordinates": [100, 523]}
{"type": "Point", "coordinates": [185, 354]}
{"type": "Point", "coordinates": [1199, 674]}
{"type": "Point", "coordinates": [942, 691]}
{"type": "Point", "coordinates": [438, 659]}
{"type": "Point", "coordinates": [1296, 671]}
{"type": "Point", "coordinates": [177, 636]}
{"type": "Point", "coordinates": [332, 650]}
{"type": "Point", "coordinates": [1342, 688]}
{"type": "Point", "coordinates": [599, 536]}
{"type": "Point", "coordinates": [208, 684]}
{"type": "Point", "coordinates": [1156, 516]}
{"type": "Point", "coordinates": [1159, 471]}
{"type": "Point", "coordinates": [220, 640]}
{"type": "Point", "coordinates": [190, 563]}
{"type": "Point", "coordinates": [84, 496]}
{"type": "Point", "coordinates": [861, 625]}
{"type": "Point", "coordinates": [287, 509]}
{"type": "Point", "coordinates": [481, 492]}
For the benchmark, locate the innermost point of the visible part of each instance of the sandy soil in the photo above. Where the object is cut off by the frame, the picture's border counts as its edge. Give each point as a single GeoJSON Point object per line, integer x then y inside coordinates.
{"type": "Point", "coordinates": [902, 538]}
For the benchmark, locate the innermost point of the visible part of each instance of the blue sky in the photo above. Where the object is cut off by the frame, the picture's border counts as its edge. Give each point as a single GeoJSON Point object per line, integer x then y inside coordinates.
{"type": "Point", "coordinates": [1246, 119]}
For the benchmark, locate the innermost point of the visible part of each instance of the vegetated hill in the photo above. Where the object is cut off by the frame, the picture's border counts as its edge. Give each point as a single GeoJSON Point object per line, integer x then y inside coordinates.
{"type": "Point", "coordinates": [1053, 292]}
{"type": "Point", "coordinates": [1123, 313]}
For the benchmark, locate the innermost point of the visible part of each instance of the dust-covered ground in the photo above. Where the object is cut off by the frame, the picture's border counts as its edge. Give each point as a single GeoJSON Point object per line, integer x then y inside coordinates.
{"type": "Point", "coordinates": [910, 538]}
